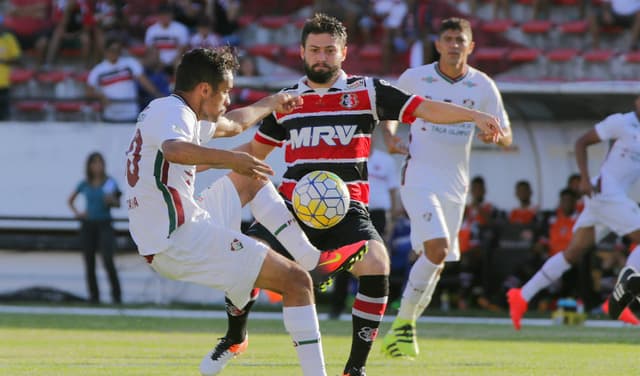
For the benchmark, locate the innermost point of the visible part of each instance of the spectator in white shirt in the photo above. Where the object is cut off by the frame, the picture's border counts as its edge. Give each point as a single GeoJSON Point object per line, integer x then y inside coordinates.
{"type": "Point", "coordinates": [204, 36]}
{"type": "Point", "coordinates": [171, 38]}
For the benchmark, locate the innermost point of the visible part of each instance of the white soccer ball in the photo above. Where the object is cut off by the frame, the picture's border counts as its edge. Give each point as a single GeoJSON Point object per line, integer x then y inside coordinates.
{"type": "Point", "coordinates": [320, 199]}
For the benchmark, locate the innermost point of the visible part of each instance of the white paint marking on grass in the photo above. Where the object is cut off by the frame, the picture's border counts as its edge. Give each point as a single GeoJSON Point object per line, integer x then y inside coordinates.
{"type": "Point", "coordinates": [196, 314]}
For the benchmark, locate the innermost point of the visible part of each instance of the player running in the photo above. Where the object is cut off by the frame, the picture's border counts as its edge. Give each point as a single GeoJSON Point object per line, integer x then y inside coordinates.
{"type": "Point", "coordinates": [435, 179]}
{"type": "Point", "coordinates": [332, 131]}
{"type": "Point", "coordinates": [199, 240]}
{"type": "Point", "coordinates": [607, 208]}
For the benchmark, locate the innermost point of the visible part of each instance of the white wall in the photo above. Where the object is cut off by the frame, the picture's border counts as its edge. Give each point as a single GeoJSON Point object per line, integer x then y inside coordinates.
{"type": "Point", "coordinates": [41, 163]}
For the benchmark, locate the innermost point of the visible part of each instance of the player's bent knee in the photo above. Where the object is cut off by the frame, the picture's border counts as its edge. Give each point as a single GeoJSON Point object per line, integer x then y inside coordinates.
{"type": "Point", "coordinates": [375, 261]}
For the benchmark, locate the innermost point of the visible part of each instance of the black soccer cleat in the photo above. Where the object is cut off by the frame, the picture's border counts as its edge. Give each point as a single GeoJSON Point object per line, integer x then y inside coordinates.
{"type": "Point", "coordinates": [622, 296]}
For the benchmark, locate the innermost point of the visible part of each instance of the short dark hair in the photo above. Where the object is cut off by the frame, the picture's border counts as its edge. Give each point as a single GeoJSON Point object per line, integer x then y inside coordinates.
{"type": "Point", "coordinates": [111, 41]}
{"type": "Point", "coordinates": [95, 156]}
{"type": "Point", "coordinates": [478, 180]}
{"type": "Point", "coordinates": [523, 183]}
{"type": "Point", "coordinates": [456, 23]}
{"type": "Point", "coordinates": [573, 177]}
{"type": "Point", "coordinates": [321, 23]}
{"type": "Point", "coordinates": [568, 192]}
{"type": "Point", "coordinates": [205, 65]}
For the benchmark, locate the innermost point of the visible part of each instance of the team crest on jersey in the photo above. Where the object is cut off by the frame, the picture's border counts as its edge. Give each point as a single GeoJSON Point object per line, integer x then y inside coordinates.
{"type": "Point", "coordinates": [469, 84]}
{"type": "Point", "coordinates": [469, 103]}
{"type": "Point", "coordinates": [349, 100]}
{"type": "Point", "coordinates": [236, 245]}
{"type": "Point", "coordinates": [429, 79]}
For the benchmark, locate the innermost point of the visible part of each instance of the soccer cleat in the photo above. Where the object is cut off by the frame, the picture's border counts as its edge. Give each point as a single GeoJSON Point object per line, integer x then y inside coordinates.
{"type": "Point", "coordinates": [218, 358]}
{"type": "Point", "coordinates": [517, 306]}
{"type": "Point", "coordinates": [401, 341]}
{"type": "Point", "coordinates": [334, 261]}
{"type": "Point", "coordinates": [355, 371]}
{"type": "Point", "coordinates": [621, 297]}
{"type": "Point", "coordinates": [626, 316]}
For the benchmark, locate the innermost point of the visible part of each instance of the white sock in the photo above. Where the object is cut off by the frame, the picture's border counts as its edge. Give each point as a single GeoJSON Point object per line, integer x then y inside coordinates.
{"type": "Point", "coordinates": [270, 210]}
{"type": "Point", "coordinates": [421, 274]}
{"type": "Point", "coordinates": [634, 258]}
{"type": "Point", "coordinates": [302, 325]}
{"type": "Point", "coordinates": [428, 293]}
{"type": "Point", "coordinates": [552, 269]}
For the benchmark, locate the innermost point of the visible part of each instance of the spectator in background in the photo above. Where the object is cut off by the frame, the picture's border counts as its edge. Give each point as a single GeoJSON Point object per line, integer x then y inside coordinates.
{"type": "Point", "coordinates": [187, 12]}
{"type": "Point", "coordinates": [225, 14]}
{"type": "Point", "coordinates": [10, 54]}
{"type": "Point", "coordinates": [109, 22]}
{"type": "Point", "coordinates": [248, 66]}
{"type": "Point", "coordinates": [623, 13]}
{"type": "Point", "coordinates": [204, 36]}
{"type": "Point", "coordinates": [75, 28]}
{"type": "Point", "coordinates": [393, 13]}
{"type": "Point", "coordinates": [101, 193]}
{"type": "Point", "coordinates": [154, 72]}
{"type": "Point", "coordinates": [526, 213]}
{"type": "Point", "coordinates": [171, 38]}
{"type": "Point", "coordinates": [30, 21]}
{"type": "Point", "coordinates": [113, 82]}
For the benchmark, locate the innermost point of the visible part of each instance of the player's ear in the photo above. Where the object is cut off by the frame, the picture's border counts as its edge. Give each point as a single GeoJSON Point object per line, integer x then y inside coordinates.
{"type": "Point", "coordinates": [302, 52]}
{"type": "Point", "coordinates": [472, 45]}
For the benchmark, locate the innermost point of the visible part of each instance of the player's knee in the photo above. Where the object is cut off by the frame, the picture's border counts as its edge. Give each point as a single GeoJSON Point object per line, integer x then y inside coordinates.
{"type": "Point", "coordinates": [376, 261]}
{"type": "Point", "coordinates": [297, 281]}
{"type": "Point", "coordinates": [436, 254]}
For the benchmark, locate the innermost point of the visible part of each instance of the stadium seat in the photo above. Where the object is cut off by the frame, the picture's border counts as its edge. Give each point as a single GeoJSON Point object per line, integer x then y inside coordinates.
{"type": "Point", "coordinates": [137, 50]}
{"type": "Point", "coordinates": [537, 33]}
{"type": "Point", "coordinates": [70, 111]}
{"type": "Point", "coordinates": [268, 51]}
{"type": "Point", "coordinates": [497, 26]}
{"type": "Point", "coordinates": [31, 110]}
{"type": "Point", "coordinates": [598, 64]}
{"type": "Point", "coordinates": [573, 33]}
{"type": "Point", "coordinates": [529, 57]}
{"type": "Point", "coordinates": [48, 80]}
{"type": "Point", "coordinates": [274, 22]}
{"type": "Point", "coordinates": [630, 68]}
{"type": "Point", "coordinates": [491, 59]}
{"type": "Point", "coordinates": [369, 60]}
{"type": "Point", "coordinates": [562, 64]}
{"type": "Point", "coordinates": [22, 82]}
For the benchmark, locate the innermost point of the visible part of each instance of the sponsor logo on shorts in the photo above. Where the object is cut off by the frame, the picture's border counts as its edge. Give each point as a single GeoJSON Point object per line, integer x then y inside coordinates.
{"type": "Point", "coordinates": [368, 334]}
{"type": "Point", "coordinates": [427, 216]}
{"type": "Point", "coordinates": [236, 245]}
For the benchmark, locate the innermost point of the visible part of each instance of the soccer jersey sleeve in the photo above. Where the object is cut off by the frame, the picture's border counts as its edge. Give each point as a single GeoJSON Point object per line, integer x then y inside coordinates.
{"type": "Point", "coordinates": [270, 132]}
{"type": "Point", "coordinates": [611, 127]}
{"type": "Point", "coordinates": [176, 125]}
{"type": "Point", "coordinates": [494, 105]}
{"type": "Point", "coordinates": [393, 103]}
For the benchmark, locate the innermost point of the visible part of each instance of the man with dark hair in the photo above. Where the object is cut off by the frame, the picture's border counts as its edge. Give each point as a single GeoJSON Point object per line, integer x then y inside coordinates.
{"type": "Point", "coordinates": [436, 179]}
{"type": "Point", "coordinates": [607, 208]}
{"type": "Point", "coordinates": [332, 131]}
{"type": "Point", "coordinates": [525, 213]}
{"type": "Point", "coordinates": [198, 240]}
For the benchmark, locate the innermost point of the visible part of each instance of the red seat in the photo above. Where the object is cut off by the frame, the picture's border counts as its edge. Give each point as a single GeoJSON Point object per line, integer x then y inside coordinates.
{"type": "Point", "coordinates": [269, 51]}
{"type": "Point", "coordinates": [273, 22]}
{"type": "Point", "coordinates": [69, 107]}
{"type": "Point", "coordinates": [536, 27]}
{"type": "Point", "coordinates": [567, 2]}
{"type": "Point", "coordinates": [251, 95]}
{"type": "Point", "coordinates": [52, 77]}
{"type": "Point", "coordinates": [292, 52]}
{"type": "Point", "coordinates": [574, 27]}
{"type": "Point", "coordinates": [31, 106]}
{"type": "Point", "coordinates": [20, 76]}
{"type": "Point", "coordinates": [245, 20]}
{"type": "Point", "coordinates": [138, 50]}
{"type": "Point", "coordinates": [491, 53]}
{"type": "Point", "coordinates": [632, 57]}
{"type": "Point", "coordinates": [598, 56]}
{"type": "Point", "coordinates": [524, 55]}
{"type": "Point", "coordinates": [371, 51]}
{"type": "Point", "coordinates": [81, 76]}
{"type": "Point", "coordinates": [562, 54]}
{"type": "Point", "coordinates": [497, 26]}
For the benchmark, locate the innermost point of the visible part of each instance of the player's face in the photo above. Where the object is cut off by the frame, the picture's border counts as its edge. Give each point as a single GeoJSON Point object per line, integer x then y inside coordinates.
{"type": "Point", "coordinates": [216, 100]}
{"type": "Point", "coordinates": [322, 56]}
{"type": "Point", "coordinates": [454, 47]}
{"type": "Point", "coordinates": [567, 204]}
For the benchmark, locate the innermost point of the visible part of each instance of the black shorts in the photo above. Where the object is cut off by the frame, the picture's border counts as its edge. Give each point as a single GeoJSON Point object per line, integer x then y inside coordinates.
{"type": "Point", "coordinates": [354, 227]}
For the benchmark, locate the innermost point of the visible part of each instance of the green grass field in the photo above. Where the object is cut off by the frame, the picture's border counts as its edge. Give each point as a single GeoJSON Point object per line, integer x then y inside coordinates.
{"type": "Point", "coordinates": [98, 345]}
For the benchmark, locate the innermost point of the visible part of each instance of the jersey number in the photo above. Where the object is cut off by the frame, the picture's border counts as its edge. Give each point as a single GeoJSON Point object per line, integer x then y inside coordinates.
{"type": "Point", "coordinates": [133, 159]}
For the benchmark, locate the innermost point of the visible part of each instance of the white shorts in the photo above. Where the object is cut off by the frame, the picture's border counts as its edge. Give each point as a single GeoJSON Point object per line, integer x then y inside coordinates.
{"type": "Point", "coordinates": [211, 250]}
{"type": "Point", "coordinates": [619, 214]}
{"type": "Point", "coordinates": [432, 217]}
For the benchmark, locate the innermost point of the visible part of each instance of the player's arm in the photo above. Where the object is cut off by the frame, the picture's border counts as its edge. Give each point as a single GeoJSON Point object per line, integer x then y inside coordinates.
{"type": "Point", "coordinates": [71, 202]}
{"type": "Point", "coordinates": [182, 152]}
{"type": "Point", "coordinates": [448, 113]}
{"type": "Point", "coordinates": [589, 138]}
{"type": "Point", "coordinates": [394, 144]}
{"type": "Point", "coordinates": [237, 121]}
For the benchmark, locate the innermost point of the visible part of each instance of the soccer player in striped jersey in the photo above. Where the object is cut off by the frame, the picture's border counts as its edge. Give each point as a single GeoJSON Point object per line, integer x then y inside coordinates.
{"type": "Point", "coordinates": [332, 131]}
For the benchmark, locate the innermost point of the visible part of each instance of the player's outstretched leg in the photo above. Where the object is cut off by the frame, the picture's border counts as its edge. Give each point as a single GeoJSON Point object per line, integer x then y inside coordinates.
{"type": "Point", "coordinates": [517, 306]}
{"type": "Point", "coordinates": [334, 261]}
{"type": "Point", "coordinates": [400, 341]}
{"type": "Point", "coordinates": [622, 294]}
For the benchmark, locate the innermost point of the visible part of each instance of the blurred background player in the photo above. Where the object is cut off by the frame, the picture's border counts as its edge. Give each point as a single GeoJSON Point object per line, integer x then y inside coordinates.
{"type": "Point", "coordinates": [436, 177]}
{"type": "Point", "coordinates": [607, 208]}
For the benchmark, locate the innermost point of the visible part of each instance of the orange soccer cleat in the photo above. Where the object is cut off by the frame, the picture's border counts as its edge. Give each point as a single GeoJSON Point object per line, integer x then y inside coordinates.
{"type": "Point", "coordinates": [331, 262]}
{"type": "Point", "coordinates": [517, 306]}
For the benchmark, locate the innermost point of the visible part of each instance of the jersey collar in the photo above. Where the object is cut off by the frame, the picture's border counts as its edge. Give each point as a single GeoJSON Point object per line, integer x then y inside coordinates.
{"type": "Point", "coordinates": [339, 85]}
{"type": "Point", "coordinates": [449, 79]}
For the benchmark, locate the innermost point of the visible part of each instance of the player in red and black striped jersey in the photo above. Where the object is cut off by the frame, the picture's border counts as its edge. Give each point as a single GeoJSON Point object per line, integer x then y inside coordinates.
{"type": "Point", "coordinates": [331, 131]}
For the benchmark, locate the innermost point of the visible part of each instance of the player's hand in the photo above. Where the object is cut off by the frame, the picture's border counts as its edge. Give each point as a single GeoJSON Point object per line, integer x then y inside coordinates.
{"type": "Point", "coordinates": [488, 138]}
{"type": "Point", "coordinates": [489, 125]}
{"type": "Point", "coordinates": [585, 186]}
{"type": "Point", "coordinates": [397, 146]}
{"type": "Point", "coordinates": [285, 103]}
{"type": "Point", "coordinates": [248, 165]}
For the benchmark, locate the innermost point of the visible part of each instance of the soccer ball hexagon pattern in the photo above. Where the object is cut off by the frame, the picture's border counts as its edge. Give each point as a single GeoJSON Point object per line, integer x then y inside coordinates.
{"type": "Point", "coordinates": [320, 199]}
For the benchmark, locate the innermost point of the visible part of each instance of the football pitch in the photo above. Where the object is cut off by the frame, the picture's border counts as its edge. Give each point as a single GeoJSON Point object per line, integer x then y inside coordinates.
{"type": "Point", "coordinates": [69, 345]}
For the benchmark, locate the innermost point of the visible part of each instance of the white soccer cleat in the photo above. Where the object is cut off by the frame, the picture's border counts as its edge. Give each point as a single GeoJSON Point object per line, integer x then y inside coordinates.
{"type": "Point", "coordinates": [215, 361]}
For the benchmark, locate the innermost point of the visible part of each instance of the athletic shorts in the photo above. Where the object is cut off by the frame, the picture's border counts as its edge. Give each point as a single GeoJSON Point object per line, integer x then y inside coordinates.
{"type": "Point", "coordinates": [619, 214]}
{"type": "Point", "coordinates": [432, 217]}
{"type": "Point", "coordinates": [211, 250]}
{"type": "Point", "coordinates": [354, 227]}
